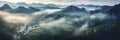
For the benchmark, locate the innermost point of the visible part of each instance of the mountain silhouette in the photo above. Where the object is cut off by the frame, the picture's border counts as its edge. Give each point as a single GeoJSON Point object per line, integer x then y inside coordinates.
{"type": "Point", "coordinates": [5, 7]}
{"type": "Point", "coordinates": [74, 9]}
{"type": "Point", "coordinates": [115, 10]}
{"type": "Point", "coordinates": [104, 9]}
{"type": "Point", "coordinates": [68, 12]}
{"type": "Point", "coordinates": [22, 9]}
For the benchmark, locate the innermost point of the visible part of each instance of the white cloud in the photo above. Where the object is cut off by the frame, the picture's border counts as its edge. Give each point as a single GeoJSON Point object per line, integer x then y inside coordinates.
{"type": "Point", "coordinates": [54, 23]}
{"type": "Point", "coordinates": [15, 18]}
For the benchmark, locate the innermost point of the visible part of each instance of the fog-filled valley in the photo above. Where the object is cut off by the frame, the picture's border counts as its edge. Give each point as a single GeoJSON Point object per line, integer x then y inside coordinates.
{"type": "Point", "coordinates": [58, 22]}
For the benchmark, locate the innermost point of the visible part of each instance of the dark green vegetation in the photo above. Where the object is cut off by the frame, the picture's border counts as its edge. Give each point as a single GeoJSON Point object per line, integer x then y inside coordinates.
{"type": "Point", "coordinates": [4, 33]}
{"type": "Point", "coordinates": [100, 31]}
{"type": "Point", "coordinates": [108, 31]}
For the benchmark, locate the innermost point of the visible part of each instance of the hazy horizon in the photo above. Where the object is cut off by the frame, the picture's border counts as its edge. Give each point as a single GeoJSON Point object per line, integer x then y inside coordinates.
{"type": "Point", "coordinates": [68, 2]}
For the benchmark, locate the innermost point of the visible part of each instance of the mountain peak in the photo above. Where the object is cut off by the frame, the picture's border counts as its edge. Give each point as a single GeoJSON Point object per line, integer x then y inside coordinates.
{"type": "Point", "coordinates": [71, 6]}
{"type": "Point", "coordinates": [22, 8]}
{"type": "Point", "coordinates": [74, 9]}
{"type": "Point", "coordinates": [5, 6]}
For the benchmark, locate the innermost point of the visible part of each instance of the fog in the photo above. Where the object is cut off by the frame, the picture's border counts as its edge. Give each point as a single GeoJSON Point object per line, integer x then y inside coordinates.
{"type": "Point", "coordinates": [15, 18]}
{"type": "Point", "coordinates": [26, 23]}
{"type": "Point", "coordinates": [99, 16]}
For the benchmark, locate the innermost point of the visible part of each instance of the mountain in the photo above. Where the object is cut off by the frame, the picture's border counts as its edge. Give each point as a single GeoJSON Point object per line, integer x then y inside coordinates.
{"type": "Point", "coordinates": [90, 5]}
{"type": "Point", "coordinates": [23, 4]}
{"type": "Point", "coordinates": [103, 9]}
{"type": "Point", "coordinates": [44, 6]}
{"type": "Point", "coordinates": [74, 9]}
{"type": "Point", "coordinates": [12, 5]}
{"type": "Point", "coordinates": [35, 5]}
{"type": "Point", "coordinates": [68, 12]}
{"type": "Point", "coordinates": [115, 10]}
{"type": "Point", "coordinates": [5, 7]}
{"type": "Point", "coordinates": [22, 9]}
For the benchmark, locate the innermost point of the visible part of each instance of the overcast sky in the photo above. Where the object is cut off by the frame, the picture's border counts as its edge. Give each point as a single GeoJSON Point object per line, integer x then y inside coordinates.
{"type": "Point", "coordinates": [68, 2]}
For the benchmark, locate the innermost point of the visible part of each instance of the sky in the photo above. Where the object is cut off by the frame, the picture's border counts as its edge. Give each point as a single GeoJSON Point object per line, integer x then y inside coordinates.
{"type": "Point", "coordinates": [69, 2]}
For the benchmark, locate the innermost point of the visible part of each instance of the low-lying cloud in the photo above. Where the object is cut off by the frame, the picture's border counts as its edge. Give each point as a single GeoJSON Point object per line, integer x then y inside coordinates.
{"type": "Point", "coordinates": [15, 18]}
